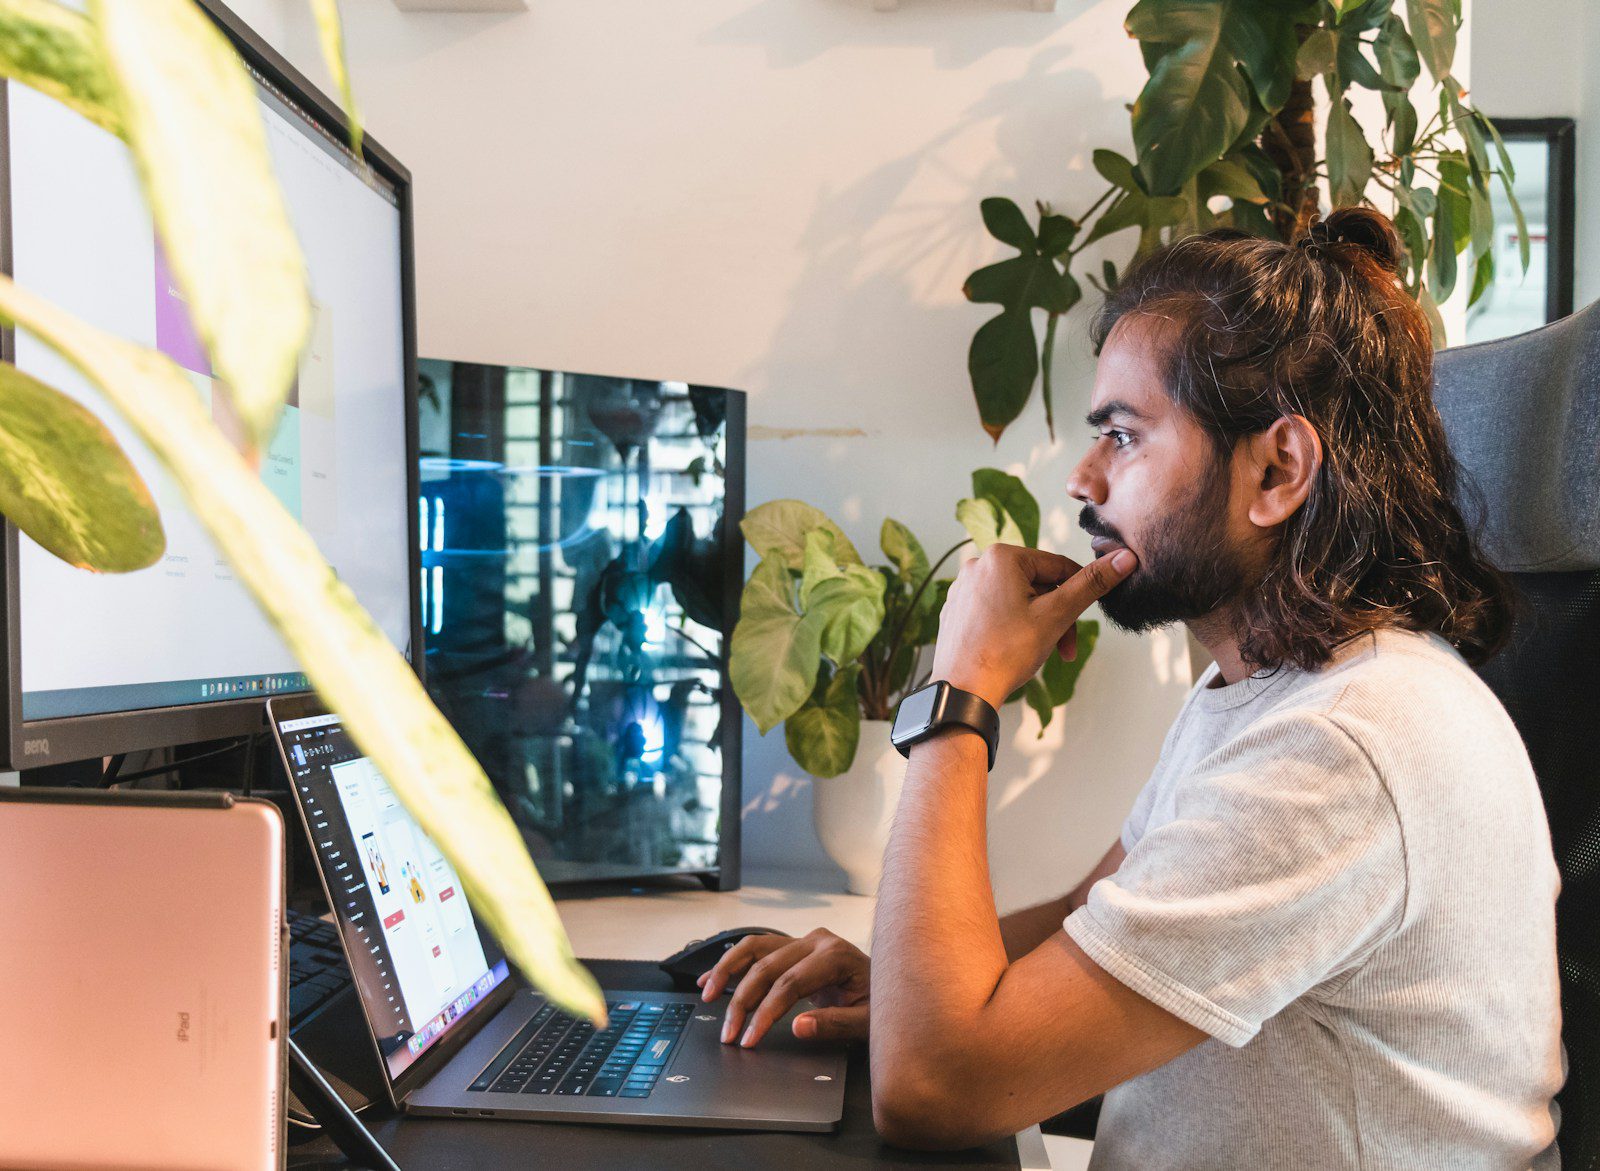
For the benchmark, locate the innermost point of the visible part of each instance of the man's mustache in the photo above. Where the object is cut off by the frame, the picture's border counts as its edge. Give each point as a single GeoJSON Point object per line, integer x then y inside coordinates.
{"type": "Point", "coordinates": [1090, 522]}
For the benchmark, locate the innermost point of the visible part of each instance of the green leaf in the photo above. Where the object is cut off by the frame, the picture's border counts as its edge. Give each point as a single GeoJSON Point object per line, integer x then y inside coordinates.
{"type": "Point", "coordinates": [1396, 54]}
{"type": "Point", "coordinates": [1262, 39]}
{"type": "Point", "coordinates": [347, 658]}
{"type": "Point", "coordinates": [1024, 282]}
{"type": "Point", "coordinates": [1349, 155]}
{"type": "Point", "coordinates": [1442, 258]}
{"type": "Point", "coordinates": [51, 48]}
{"type": "Point", "coordinates": [940, 589]}
{"type": "Point", "coordinates": [1116, 170]}
{"type": "Point", "coordinates": [822, 736]}
{"type": "Point", "coordinates": [819, 564]}
{"type": "Point", "coordinates": [1038, 699]}
{"type": "Point", "coordinates": [1355, 68]}
{"type": "Point", "coordinates": [66, 482]}
{"type": "Point", "coordinates": [1433, 28]}
{"type": "Point", "coordinates": [1430, 309]}
{"type": "Point", "coordinates": [780, 526]}
{"type": "Point", "coordinates": [848, 611]}
{"type": "Point", "coordinates": [1056, 233]}
{"type": "Point", "coordinates": [1317, 54]}
{"type": "Point", "coordinates": [195, 128]}
{"type": "Point", "coordinates": [774, 652]}
{"type": "Point", "coordinates": [1414, 235]}
{"type": "Point", "coordinates": [986, 523]}
{"type": "Point", "coordinates": [1196, 101]}
{"type": "Point", "coordinates": [1226, 177]}
{"type": "Point", "coordinates": [1010, 495]}
{"type": "Point", "coordinates": [330, 34]}
{"type": "Point", "coordinates": [1482, 277]}
{"type": "Point", "coordinates": [1003, 362]}
{"type": "Point", "coordinates": [1060, 676]}
{"type": "Point", "coordinates": [1007, 224]}
{"type": "Point", "coordinates": [1455, 185]}
{"type": "Point", "coordinates": [1481, 216]}
{"type": "Point", "coordinates": [906, 552]}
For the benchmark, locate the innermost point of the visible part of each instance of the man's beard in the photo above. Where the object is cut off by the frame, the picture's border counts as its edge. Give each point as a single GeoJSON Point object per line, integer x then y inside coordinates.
{"type": "Point", "coordinates": [1186, 569]}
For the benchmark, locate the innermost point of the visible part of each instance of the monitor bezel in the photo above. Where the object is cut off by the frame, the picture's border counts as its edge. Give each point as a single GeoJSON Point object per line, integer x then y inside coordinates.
{"type": "Point", "coordinates": [33, 743]}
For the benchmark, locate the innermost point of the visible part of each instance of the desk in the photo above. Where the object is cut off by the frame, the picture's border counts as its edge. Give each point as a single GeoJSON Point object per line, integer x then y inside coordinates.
{"type": "Point", "coordinates": [649, 923]}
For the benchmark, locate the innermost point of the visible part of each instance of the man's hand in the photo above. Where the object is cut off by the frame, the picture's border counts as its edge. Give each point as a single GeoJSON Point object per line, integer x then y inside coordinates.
{"type": "Point", "coordinates": [1008, 609]}
{"type": "Point", "coordinates": [780, 971]}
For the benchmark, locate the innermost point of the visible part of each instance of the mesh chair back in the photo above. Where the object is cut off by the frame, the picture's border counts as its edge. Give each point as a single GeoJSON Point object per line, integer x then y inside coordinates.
{"type": "Point", "coordinates": [1523, 417]}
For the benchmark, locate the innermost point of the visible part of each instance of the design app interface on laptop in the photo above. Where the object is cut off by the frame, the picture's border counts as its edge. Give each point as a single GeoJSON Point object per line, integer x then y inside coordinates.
{"type": "Point", "coordinates": [416, 955]}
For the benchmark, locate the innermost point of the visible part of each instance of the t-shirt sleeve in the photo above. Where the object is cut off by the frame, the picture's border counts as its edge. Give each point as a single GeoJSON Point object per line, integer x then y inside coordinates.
{"type": "Point", "coordinates": [1281, 868]}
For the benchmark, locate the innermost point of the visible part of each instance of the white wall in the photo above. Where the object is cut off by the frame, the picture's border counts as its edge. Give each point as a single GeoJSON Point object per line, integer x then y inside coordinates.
{"type": "Point", "coordinates": [781, 195]}
{"type": "Point", "coordinates": [1535, 68]}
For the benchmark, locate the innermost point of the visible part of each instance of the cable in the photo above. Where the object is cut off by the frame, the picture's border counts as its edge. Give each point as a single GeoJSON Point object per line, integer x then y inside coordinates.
{"type": "Point", "coordinates": [112, 779]}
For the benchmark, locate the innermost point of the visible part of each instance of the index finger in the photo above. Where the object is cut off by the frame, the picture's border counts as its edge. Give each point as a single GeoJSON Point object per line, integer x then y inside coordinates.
{"type": "Point", "coordinates": [1042, 567]}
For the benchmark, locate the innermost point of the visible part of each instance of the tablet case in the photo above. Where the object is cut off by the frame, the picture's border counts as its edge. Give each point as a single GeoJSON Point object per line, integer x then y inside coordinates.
{"type": "Point", "coordinates": [143, 978]}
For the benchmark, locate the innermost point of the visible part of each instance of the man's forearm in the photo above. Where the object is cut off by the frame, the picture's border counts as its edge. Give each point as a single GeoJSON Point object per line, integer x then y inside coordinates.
{"type": "Point", "coordinates": [937, 952]}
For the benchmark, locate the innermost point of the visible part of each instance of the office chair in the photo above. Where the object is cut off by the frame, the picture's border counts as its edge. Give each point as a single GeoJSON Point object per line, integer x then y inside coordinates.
{"type": "Point", "coordinates": [1523, 417]}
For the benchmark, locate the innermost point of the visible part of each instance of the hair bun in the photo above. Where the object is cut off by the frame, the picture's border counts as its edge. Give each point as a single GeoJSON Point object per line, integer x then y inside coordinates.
{"type": "Point", "coordinates": [1365, 228]}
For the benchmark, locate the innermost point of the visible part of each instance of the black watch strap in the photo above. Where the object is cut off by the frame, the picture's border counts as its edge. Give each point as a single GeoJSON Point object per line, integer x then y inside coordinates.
{"type": "Point", "coordinates": [928, 710]}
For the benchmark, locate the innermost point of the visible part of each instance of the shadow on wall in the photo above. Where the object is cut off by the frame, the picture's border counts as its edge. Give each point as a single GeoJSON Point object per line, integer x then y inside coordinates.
{"type": "Point", "coordinates": [959, 32]}
{"type": "Point", "coordinates": [886, 257]}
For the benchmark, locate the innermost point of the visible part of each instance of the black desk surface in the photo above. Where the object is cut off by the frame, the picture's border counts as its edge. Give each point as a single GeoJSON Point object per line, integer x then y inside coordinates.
{"type": "Point", "coordinates": [430, 1144]}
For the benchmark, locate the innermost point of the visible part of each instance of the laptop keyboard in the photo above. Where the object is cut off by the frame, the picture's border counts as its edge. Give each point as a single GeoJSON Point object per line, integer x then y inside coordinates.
{"type": "Point", "coordinates": [556, 1054]}
{"type": "Point", "coordinates": [317, 971]}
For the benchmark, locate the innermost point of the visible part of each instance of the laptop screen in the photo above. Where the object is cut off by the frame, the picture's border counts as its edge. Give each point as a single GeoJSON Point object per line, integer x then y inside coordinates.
{"type": "Point", "coordinates": [419, 962]}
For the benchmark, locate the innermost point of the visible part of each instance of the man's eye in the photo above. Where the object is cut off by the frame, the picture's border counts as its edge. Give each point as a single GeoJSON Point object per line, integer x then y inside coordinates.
{"type": "Point", "coordinates": [1118, 437]}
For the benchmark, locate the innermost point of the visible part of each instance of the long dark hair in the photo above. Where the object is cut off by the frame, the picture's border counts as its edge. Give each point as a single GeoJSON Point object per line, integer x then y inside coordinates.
{"type": "Point", "coordinates": [1324, 329]}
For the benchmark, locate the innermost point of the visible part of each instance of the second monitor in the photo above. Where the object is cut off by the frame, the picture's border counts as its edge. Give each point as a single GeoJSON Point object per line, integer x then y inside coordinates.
{"type": "Point", "coordinates": [582, 564]}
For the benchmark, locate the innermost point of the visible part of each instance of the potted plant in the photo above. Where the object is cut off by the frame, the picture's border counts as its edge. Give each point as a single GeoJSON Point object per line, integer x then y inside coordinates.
{"type": "Point", "coordinates": [828, 646]}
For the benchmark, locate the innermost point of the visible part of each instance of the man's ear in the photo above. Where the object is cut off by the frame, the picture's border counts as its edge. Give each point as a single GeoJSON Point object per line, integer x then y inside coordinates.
{"type": "Point", "coordinates": [1287, 456]}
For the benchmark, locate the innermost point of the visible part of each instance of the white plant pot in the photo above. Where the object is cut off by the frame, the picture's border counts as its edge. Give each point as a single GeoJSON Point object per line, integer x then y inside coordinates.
{"type": "Point", "coordinates": [854, 810]}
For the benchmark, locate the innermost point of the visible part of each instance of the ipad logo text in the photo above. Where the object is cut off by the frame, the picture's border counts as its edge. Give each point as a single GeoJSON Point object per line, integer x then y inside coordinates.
{"type": "Point", "coordinates": [183, 1027]}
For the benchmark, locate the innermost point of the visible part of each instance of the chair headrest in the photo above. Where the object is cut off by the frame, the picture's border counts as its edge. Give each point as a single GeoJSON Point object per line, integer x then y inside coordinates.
{"type": "Point", "coordinates": [1523, 418]}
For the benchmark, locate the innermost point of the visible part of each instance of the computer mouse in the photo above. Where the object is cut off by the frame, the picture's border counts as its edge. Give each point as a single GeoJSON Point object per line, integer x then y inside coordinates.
{"type": "Point", "coordinates": [686, 966]}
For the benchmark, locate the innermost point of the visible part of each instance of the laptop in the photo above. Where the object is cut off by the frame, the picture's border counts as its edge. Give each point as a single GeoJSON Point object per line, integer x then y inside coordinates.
{"type": "Point", "coordinates": [457, 1036]}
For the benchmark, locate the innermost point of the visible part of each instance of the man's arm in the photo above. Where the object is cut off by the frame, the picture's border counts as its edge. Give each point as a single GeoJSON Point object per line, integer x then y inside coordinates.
{"type": "Point", "coordinates": [968, 1045]}
{"type": "Point", "coordinates": [1022, 931]}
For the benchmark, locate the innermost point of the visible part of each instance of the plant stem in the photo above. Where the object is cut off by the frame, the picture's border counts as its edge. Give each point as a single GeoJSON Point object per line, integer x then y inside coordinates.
{"type": "Point", "coordinates": [899, 628]}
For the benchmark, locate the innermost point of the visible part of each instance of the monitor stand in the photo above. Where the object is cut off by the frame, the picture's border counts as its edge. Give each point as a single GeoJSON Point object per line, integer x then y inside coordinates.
{"type": "Point", "coordinates": [74, 774]}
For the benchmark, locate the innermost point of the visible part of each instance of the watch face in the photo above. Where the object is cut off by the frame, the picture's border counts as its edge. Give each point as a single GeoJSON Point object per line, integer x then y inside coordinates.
{"type": "Point", "coordinates": [916, 712]}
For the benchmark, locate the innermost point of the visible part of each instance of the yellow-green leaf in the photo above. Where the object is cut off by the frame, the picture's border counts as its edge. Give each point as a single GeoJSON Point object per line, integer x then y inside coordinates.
{"type": "Point", "coordinates": [330, 32]}
{"type": "Point", "coordinates": [849, 612]}
{"type": "Point", "coordinates": [819, 564]}
{"type": "Point", "coordinates": [823, 735]}
{"type": "Point", "coordinates": [986, 523]}
{"type": "Point", "coordinates": [66, 482]}
{"type": "Point", "coordinates": [782, 525]}
{"type": "Point", "coordinates": [53, 49]}
{"type": "Point", "coordinates": [774, 653]}
{"type": "Point", "coordinates": [194, 124]}
{"type": "Point", "coordinates": [347, 658]}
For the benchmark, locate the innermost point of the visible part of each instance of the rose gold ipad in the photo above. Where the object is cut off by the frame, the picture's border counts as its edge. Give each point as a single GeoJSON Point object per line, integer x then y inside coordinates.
{"type": "Point", "coordinates": [141, 974]}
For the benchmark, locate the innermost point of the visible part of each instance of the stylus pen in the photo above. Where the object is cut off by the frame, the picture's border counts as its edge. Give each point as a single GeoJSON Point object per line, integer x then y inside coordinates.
{"type": "Point", "coordinates": [325, 1105]}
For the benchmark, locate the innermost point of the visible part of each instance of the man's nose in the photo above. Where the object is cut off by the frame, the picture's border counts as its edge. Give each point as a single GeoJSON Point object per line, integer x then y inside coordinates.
{"type": "Point", "coordinates": [1086, 484]}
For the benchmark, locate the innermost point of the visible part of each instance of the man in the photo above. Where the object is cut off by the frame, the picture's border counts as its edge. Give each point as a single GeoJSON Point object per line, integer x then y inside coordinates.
{"type": "Point", "coordinates": [1325, 938]}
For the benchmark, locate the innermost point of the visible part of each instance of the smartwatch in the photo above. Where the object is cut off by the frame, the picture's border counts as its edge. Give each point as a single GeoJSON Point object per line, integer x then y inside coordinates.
{"type": "Point", "coordinates": [930, 709]}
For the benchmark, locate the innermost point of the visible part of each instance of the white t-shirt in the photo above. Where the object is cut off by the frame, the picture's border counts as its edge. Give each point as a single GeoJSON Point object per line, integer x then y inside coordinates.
{"type": "Point", "coordinates": [1345, 877]}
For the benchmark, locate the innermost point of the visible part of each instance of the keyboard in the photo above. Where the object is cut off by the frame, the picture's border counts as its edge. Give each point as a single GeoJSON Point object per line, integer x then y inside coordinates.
{"type": "Point", "coordinates": [556, 1054]}
{"type": "Point", "coordinates": [317, 969]}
